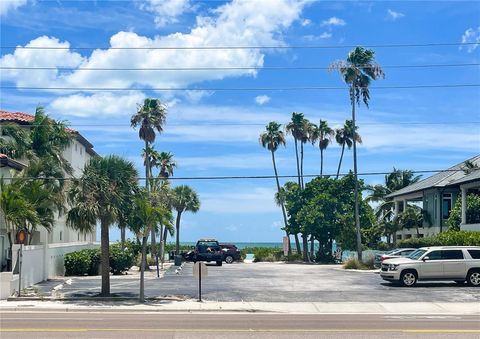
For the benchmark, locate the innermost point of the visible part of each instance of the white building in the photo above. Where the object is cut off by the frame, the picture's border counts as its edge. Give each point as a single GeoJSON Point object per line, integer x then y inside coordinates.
{"type": "Point", "coordinates": [44, 257]}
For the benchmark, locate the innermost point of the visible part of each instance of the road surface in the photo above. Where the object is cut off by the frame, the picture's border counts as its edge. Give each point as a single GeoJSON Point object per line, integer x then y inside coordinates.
{"type": "Point", "coordinates": [22, 324]}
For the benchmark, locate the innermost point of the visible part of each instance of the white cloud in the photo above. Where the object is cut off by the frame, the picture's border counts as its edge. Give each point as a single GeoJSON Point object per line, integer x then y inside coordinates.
{"type": "Point", "coordinates": [166, 11]}
{"type": "Point", "coordinates": [333, 21]}
{"type": "Point", "coordinates": [471, 35]}
{"type": "Point", "coordinates": [8, 5]}
{"type": "Point", "coordinates": [262, 99]}
{"type": "Point", "coordinates": [238, 23]}
{"type": "Point", "coordinates": [255, 161]}
{"type": "Point", "coordinates": [98, 104]}
{"type": "Point", "coordinates": [394, 15]}
{"type": "Point", "coordinates": [40, 58]}
{"type": "Point", "coordinates": [306, 22]}
{"type": "Point", "coordinates": [325, 35]}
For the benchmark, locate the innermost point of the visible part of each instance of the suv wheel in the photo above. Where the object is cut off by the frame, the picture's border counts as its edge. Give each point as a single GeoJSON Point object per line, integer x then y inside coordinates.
{"type": "Point", "coordinates": [473, 278]}
{"type": "Point", "coordinates": [228, 259]}
{"type": "Point", "coordinates": [408, 278]}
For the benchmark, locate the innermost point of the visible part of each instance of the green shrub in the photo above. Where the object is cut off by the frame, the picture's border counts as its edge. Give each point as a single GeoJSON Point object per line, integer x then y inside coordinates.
{"type": "Point", "coordinates": [294, 257]}
{"type": "Point", "coordinates": [77, 263]}
{"type": "Point", "coordinates": [121, 259]}
{"type": "Point", "coordinates": [263, 253]}
{"type": "Point", "coordinates": [449, 238]}
{"type": "Point", "coordinates": [473, 212]}
{"type": "Point", "coordinates": [95, 260]}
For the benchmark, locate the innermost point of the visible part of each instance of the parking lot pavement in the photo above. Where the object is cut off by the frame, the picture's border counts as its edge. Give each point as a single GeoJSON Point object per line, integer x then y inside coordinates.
{"type": "Point", "coordinates": [275, 282]}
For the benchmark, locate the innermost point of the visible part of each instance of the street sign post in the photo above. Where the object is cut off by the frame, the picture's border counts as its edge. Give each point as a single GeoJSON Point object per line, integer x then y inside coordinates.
{"type": "Point", "coordinates": [200, 270]}
{"type": "Point", "coordinates": [21, 239]}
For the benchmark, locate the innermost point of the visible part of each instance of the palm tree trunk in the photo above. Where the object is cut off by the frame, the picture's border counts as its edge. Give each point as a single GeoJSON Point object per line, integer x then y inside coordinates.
{"type": "Point", "coordinates": [284, 213]}
{"type": "Point", "coordinates": [297, 243]}
{"type": "Point", "coordinates": [122, 235]}
{"type": "Point", "coordinates": [298, 162]}
{"type": "Point", "coordinates": [142, 269]}
{"type": "Point", "coordinates": [162, 245]}
{"type": "Point", "coordinates": [177, 233]}
{"type": "Point", "coordinates": [105, 258]}
{"type": "Point", "coordinates": [340, 162]}
{"type": "Point", "coordinates": [147, 187]}
{"type": "Point", "coordinates": [305, 248]}
{"type": "Point", "coordinates": [321, 162]}
{"type": "Point", "coordinates": [312, 247]}
{"type": "Point", "coordinates": [301, 163]}
{"type": "Point", "coordinates": [355, 193]}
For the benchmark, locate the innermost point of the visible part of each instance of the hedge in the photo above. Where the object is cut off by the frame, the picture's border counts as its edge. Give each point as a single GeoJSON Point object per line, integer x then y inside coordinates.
{"type": "Point", "coordinates": [449, 238]}
{"type": "Point", "coordinates": [87, 262]}
{"type": "Point", "coordinates": [264, 253]}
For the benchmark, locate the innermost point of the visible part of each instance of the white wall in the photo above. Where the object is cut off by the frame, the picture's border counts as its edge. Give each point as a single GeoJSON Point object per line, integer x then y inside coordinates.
{"type": "Point", "coordinates": [39, 264]}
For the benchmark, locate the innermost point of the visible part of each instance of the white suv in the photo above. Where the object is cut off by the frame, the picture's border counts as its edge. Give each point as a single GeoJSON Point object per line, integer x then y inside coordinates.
{"type": "Point", "coordinates": [458, 263]}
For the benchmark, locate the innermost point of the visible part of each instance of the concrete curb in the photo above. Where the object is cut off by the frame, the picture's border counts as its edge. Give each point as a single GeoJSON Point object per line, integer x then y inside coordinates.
{"type": "Point", "coordinates": [99, 299]}
{"type": "Point", "coordinates": [191, 306]}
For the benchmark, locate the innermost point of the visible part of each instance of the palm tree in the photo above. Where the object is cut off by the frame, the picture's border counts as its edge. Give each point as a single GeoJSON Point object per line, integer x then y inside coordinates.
{"type": "Point", "coordinates": [323, 134]}
{"type": "Point", "coordinates": [166, 164]}
{"type": "Point", "coordinates": [184, 199]}
{"type": "Point", "coordinates": [144, 217]}
{"type": "Point", "coordinates": [99, 195]}
{"type": "Point", "coordinates": [271, 139]}
{"type": "Point", "coordinates": [295, 128]}
{"type": "Point", "coordinates": [393, 181]}
{"type": "Point", "coordinates": [358, 71]}
{"type": "Point", "coordinates": [345, 137]}
{"type": "Point", "coordinates": [307, 130]}
{"type": "Point", "coordinates": [150, 117]}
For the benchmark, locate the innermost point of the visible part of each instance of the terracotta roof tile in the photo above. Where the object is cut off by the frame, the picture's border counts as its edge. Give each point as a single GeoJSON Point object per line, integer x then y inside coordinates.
{"type": "Point", "coordinates": [16, 116]}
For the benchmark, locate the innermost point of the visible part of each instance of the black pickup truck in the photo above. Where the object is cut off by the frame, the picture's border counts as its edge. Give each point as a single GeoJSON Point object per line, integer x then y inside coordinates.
{"type": "Point", "coordinates": [206, 250]}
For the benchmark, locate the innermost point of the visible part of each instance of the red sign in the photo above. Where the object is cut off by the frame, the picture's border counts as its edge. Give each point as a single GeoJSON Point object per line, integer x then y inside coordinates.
{"type": "Point", "coordinates": [21, 237]}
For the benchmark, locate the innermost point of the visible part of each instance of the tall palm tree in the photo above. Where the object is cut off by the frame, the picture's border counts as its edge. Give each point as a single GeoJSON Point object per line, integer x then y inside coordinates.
{"type": "Point", "coordinates": [184, 199]}
{"type": "Point", "coordinates": [295, 128]}
{"type": "Point", "coordinates": [345, 137]}
{"type": "Point", "coordinates": [307, 130]}
{"type": "Point", "coordinates": [323, 134]}
{"type": "Point", "coordinates": [393, 181]}
{"type": "Point", "coordinates": [144, 217]}
{"type": "Point", "coordinates": [98, 196]}
{"type": "Point", "coordinates": [150, 116]}
{"type": "Point", "coordinates": [166, 164]}
{"type": "Point", "coordinates": [271, 139]}
{"type": "Point", "coordinates": [358, 71]}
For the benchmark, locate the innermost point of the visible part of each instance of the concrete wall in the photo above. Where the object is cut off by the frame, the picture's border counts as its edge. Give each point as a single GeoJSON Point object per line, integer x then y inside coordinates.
{"type": "Point", "coordinates": [39, 264]}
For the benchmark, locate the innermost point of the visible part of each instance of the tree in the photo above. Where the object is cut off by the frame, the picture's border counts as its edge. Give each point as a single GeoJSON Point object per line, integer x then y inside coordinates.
{"type": "Point", "coordinates": [358, 71]}
{"type": "Point", "coordinates": [184, 199]}
{"type": "Point", "coordinates": [323, 135]}
{"type": "Point", "coordinates": [271, 139]}
{"type": "Point", "coordinates": [295, 128]}
{"type": "Point", "coordinates": [150, 117]}
{"type": "Point", "coordinates": [384, 212]}
{"type": "Point", "coordinates": [344, 137]}
{"type": "Point", "coordinates": [145, 217]}
{"type": "Point", "coordinates": [99, 195]}
{"type": "Point", "coordinates": [472, 213]}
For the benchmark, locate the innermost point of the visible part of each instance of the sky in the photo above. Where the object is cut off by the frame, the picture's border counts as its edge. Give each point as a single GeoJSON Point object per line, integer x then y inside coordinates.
{"type": "Point", "coordinates": [212, 127]}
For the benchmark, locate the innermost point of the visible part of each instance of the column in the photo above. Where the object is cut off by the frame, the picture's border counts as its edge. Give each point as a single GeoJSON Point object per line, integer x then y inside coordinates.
{"type": "Point", "coordinates": [396, 208]}
{"type": "Point", "coordinates": [464, 205]}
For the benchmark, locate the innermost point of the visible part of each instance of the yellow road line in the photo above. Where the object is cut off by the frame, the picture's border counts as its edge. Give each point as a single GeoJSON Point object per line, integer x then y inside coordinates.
{"type": "Point", "coordinates": [340, 330]}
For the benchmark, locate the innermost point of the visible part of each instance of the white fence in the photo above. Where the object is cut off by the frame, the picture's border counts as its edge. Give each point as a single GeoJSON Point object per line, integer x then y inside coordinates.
{"type": "Point", "coordinates": [39, 263]}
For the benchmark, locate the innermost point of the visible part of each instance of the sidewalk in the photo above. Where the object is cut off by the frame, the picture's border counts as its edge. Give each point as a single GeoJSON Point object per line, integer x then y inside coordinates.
{"type": "Point", "coordinates": [421, 308]}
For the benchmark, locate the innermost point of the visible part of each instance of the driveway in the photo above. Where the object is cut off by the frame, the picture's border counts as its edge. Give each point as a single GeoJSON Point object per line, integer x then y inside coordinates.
{"type": "Point", "coordinates": [271, 282]}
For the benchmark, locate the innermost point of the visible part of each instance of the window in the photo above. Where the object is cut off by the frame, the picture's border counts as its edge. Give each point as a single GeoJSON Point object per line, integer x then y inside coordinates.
{"type": "Point", "coordinates": [446, 205]}
{"type": "Point", "coordinates": [406, 253]}
{"type": "Point", "coordinates": [452, 254]}
{"type": "Point", "coordinates": [60, 235]}
{"type": "Point", "coordinates": [408, 236]}
{"type": "Point", "coordinates": [85, 237]}
{"type": "Point", "coordinates": [75, 147]}
{"type": "Point", "coordinates": [399, 237]}
{"type": "Point", "coordinates": [81, 150]}
{"type": "Point", "coordinates": [435, 255]}
{"type": "Point", "coordinates": [474, 253]}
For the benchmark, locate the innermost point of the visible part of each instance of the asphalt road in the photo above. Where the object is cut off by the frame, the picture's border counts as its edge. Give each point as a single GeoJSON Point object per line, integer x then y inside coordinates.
{"type": "Point", "coordinates": [200, 325]}
{"type": "Point", "coordinates": [277, 282]}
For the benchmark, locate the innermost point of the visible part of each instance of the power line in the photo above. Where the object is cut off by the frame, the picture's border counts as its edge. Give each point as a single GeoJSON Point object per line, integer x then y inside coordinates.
{"type": "Point", "coordinates": [413, 123]}
{"type": "Point", "coordinates": [241, 177]}
{"type": "Point", "coordinates": [267, 68]}
{"type": "Point", "coordinates": [223, 89]}
{"type": "Point", "coordinates": [440, 44]}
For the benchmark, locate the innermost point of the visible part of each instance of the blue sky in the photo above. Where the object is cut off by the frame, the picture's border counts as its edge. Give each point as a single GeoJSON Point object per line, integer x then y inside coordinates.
{"type": "Point", "coordinates": [216, 132]}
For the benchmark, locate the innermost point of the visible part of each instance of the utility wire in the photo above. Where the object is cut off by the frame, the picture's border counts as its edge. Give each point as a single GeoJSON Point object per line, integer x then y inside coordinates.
{"type": "Point", "coordinates": [252, 124]}
{"type": "Point", "coordinates": [223, 89]}
{"type": "Point", "coordinates": [267, 68]}
{"type": "Point", "coordinates": [241, 177]}
{"type": "Point", "coordinates": [244, 47]}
